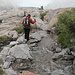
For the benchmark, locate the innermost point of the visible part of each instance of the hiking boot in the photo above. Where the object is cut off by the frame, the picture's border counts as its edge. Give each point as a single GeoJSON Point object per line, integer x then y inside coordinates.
{"type": "Point", "coordinates": [24, 41]}
{"type": "Point", "coordinates": [28, 42]}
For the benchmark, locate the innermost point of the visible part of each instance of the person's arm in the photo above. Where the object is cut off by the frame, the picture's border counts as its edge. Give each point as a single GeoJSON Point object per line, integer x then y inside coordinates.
{"type": "Point", "coordinates": [23, 20]}
{"type": "Point", "coordinates": [32, 21]}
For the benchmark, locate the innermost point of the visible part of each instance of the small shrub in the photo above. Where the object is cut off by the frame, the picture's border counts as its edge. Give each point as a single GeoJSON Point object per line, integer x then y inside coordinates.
{"type": "Point", "coordinates": [1, 62]}
{"type": "Point", "coordinates": [1, 71]}
{"type": "Point", "coordinates": [3, 39]}
{"type": "Point", "coordinates": [42, 14]}
{"type": "Point", "coordinates": [19, 29]}
{"type": "Point", "coordinates": [0, 21]}
{"type": "Point", "coordinates": [66, 28]}
{"type": "Point", "coordinates": [65, 39]}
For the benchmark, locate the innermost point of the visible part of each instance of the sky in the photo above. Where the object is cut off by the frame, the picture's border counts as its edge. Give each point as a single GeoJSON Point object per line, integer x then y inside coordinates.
{"type": "Point", "coordinates": [35, 3]}
{"type": "Point", "coordinates": [55, 4]}
{"type": "Point", "coordinates": [38, 3]}
{"type": "Point", "coordinates": [25, 3]}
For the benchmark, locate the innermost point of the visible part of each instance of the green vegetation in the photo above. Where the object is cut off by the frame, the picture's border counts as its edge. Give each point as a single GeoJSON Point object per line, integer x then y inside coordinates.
{"type": "Point", "coordinates": [3, 39]}
{"type": "Point", "coordinates": [0, 21]}
{"type": "Point", "coordinates": [18, 29]}
{"type": "Point", "coordinates": [1, 62]}
{"type": "Point", "coordinates": [42, 14]}
{"type": "Point", "coordinates": [1, 71]}
{"type": "Point", "coordinates": [66, 28]}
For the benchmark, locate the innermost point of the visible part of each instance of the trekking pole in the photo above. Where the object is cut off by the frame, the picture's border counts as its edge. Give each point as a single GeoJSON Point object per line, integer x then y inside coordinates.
{"type": "Point", "coordinates": [36, 26]}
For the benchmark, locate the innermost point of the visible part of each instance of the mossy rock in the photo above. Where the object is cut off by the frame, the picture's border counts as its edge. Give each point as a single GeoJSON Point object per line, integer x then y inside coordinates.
{"type": "Point", "coordinates": [3, 38]}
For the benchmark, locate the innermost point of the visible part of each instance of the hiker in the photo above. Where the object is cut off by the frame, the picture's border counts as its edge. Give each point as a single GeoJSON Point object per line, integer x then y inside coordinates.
{"type": "Point", "coordinates": [26, 24]}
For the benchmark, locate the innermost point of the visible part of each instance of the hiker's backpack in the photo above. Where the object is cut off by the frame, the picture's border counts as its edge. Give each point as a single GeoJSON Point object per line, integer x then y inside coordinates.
{"type": "Point", "coordinates": [26, 22]}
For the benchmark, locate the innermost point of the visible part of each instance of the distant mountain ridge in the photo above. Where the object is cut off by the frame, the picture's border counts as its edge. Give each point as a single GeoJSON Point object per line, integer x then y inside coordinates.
{"type": "Point", "coordinates": [6, 8]}
{"type": "Point", "coordinates": [6, 5]}
{"type": "Point", "coordinates": [55, 4]}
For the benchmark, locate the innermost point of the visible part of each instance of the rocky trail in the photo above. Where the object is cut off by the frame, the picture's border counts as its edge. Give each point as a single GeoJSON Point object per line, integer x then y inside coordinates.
{"type": "Point", "coordinates": [47, 58]}
{"type": "Point", "coordinates": [41, 55]}
{"type": "Point", "coordinates": [49, 61]}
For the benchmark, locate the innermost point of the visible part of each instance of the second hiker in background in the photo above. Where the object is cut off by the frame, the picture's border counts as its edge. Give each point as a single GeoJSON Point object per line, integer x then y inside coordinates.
{"type": "Point", "coordinates": [26, 24]}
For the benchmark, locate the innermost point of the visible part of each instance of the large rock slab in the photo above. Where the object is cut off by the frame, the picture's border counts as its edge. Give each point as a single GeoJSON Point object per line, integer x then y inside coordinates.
{"type": "Point", "coordinates": [62, 54]}
{"type": "Point", "coordinates": [21, 39]}
{"type": "Point", "coordinates": [10, 71]}
{"type": "Point", "coordinates": [5, 51]}
{"type": "Point", "coordinates": [13, 34]}
{"type": "Point", "coordinates": [57, 72]}
{"type": "Point", "coordinates": [20, 51]}
{"type": "Point", "coordinates": [11, 13]}
{"type": "Point", "coordinates": [54, 16]}
{"type": "Point", "coordinates": [42, 33]}
{"type": "Point", "coordinates": [13, 43]}
{"type": "Point", "coordinates": [6, 65]}
{"type": "Point", "coordinates": [39, 23]}
{"type": "Point", "coordinates": [36, 36]}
